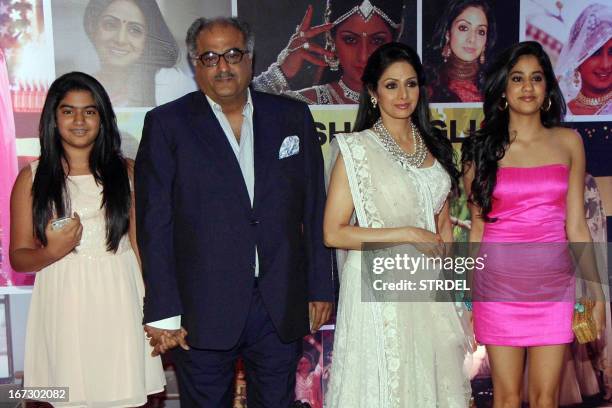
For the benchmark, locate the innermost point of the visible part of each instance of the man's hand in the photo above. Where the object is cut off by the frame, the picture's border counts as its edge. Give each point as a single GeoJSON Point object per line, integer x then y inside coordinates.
{"type": "Point", "coordinates": [319, 313]}
{"type": "Point", "coordinates": [163, 340]}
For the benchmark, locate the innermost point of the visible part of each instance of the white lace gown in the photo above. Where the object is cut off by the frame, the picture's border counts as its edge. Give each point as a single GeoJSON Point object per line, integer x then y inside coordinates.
{"type": "Point", "coordinates": [85, 321]}
{"type": "Point", "coordinates": [393, 354]}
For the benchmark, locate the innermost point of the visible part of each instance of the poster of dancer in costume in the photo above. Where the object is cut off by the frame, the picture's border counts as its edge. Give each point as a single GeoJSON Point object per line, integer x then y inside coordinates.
{"type": "Point", "coordinates": [322, 60]}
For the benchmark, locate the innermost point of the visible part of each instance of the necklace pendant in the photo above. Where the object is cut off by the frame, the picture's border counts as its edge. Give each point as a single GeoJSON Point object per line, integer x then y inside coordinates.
{"type": "Point", "coordinates": [598, 101]}
{"type": "Point", "coordinates": [348, 92]}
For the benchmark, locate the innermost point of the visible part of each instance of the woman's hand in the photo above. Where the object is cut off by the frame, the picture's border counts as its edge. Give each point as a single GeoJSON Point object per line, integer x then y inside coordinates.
{"type": "Point", "coordinates": [599, 317]}
{"type": "Point", "coordinates": [300, 49]}
{"type": "Point", "coordinates": [471, 338]}
{"type": "Point", "coordinates": [426, 242]}
{"type": "Point", "coordinates": [61, 241]}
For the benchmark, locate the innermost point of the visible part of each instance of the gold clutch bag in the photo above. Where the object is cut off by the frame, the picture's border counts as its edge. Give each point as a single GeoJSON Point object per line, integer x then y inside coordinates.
{"type": "Point", "coordinates": [583, 323]}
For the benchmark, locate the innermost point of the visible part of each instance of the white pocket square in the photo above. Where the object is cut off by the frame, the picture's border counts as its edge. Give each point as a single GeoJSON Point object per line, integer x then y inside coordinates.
{"type": "Point", "coordinates": [290, 147]}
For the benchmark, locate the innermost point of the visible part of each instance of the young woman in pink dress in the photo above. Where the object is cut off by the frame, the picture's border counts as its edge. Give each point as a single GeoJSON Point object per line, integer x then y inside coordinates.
{"type": "Point", "coordinates": [524, 176]}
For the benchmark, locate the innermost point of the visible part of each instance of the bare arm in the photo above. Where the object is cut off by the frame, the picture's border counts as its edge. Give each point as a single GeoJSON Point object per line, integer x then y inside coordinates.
{"type": "Point", "coordinates": [25, 252]}
{"type": "Point", "coordinates": [444, 224]}
{"type": "Point", "coordinates": [576, 226]}
{"type": "Point", "coordinates": [337, 231]}
{"type": "Point", "coordinates": [477, 222]}
{"type": "Point", "coordinates": [577, 230]}
{"type": "Point", "coordinates": [132, 229]}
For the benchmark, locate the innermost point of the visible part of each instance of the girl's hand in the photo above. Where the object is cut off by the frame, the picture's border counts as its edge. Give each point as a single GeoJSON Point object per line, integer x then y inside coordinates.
{"type": "Point", "coordinates": [61, 241]}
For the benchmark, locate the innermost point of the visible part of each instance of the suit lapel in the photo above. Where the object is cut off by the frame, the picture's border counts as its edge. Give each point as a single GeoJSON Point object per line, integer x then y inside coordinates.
{"type": "Point", "coordinates": [207, 127]}
{"type": "Point", "coordinates": [265, 130]}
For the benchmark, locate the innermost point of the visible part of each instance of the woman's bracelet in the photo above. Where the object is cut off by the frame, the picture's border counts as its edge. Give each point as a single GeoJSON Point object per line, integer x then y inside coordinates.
{"type": "Point", "coordinates": [467, 303]}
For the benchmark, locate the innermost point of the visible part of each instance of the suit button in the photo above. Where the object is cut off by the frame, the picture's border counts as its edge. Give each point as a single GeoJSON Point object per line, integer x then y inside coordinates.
{"type": "Point", "coordinates": [254, 222]}
{"type": "Point", "coordinates": [253, 266]}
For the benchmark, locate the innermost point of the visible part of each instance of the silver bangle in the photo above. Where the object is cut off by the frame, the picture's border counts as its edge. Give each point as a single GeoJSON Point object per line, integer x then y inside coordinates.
{"type": "Point", "coordinates": [272, 80]}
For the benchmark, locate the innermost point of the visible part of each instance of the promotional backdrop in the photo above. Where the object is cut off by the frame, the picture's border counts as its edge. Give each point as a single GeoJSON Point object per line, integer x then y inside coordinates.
{"type": "Point", "coordinates": [146, 65]}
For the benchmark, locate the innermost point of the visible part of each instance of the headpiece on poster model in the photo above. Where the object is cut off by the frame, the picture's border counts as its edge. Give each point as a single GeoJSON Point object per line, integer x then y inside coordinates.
{"type": "Point", "coordinates": [366, 10]}
{"type": "Point", "coordinates": [591, 30]}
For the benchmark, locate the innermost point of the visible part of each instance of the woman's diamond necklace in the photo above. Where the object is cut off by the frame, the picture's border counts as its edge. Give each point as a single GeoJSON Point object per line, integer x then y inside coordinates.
{"type": "Point", "coordinates": [415, 159]}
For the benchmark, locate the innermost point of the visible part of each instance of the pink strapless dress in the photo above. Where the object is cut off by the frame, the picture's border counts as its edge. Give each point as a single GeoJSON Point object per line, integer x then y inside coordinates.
{"type": "Point", "coordinates": [525, 294]}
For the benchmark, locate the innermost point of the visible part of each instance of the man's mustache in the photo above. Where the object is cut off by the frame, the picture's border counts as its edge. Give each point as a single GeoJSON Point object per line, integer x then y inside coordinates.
{"type": "Point", "coordinates": [224, 75]}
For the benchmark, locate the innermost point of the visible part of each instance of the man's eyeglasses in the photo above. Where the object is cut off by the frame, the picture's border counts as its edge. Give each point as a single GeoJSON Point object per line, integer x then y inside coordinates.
{"type": "Point", "coordinates": [231, 56]}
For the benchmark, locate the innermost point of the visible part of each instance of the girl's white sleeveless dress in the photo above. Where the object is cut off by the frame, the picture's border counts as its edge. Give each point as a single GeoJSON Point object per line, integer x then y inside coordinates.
{"type": "Point", "coordinates": [85, 321]}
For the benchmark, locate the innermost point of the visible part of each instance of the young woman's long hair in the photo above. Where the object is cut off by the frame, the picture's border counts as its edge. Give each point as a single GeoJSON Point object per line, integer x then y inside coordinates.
{"type": "Point", "coordinates": [106, 163]}
{"type": "Point", "coordinates": [437, 144]}
{"type": "Point", "coordinates": [487, 146]}
{"type": "Point", "coordinates": [433, 53]}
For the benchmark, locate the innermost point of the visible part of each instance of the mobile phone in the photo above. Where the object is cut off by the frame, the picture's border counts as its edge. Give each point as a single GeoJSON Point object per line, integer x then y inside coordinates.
{"type": "Point", "coordinates": [60, 223]}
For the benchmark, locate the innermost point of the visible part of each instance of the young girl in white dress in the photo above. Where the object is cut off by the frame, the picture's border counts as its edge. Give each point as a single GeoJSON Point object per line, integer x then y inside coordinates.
{"type": "Point", "coordinates": [72, 221]}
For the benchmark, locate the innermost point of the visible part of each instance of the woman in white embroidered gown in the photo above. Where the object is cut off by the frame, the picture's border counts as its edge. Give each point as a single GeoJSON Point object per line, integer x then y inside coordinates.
{"type": "Point", "coordinates": [400, 353]}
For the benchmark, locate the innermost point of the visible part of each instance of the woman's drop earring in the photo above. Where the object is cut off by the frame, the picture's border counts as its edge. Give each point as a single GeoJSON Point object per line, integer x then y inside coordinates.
{"type": "Point", "coordinates": [446, 50]}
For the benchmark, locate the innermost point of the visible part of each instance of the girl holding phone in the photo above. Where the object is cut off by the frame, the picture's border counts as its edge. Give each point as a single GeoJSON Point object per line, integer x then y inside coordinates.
{"type": "Point", "coordinates": [85, 322]}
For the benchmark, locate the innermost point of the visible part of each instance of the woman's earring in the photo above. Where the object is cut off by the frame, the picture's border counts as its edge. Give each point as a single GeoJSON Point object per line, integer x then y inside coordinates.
{"type": "Point", "coordinates": [577, 80]}
{"type": "Point", "coordinates": [482, 54]}
{"type": "Point", "coordinates": [547, 107]}
{"type": "Point", "coordinates": [505, 106]}
{"type": "Point", "coordinates": [374, 101]}
{"type": "Point", "coordinates": [446, 51]}
{"type": "Point", "coordinates": [330, 45]}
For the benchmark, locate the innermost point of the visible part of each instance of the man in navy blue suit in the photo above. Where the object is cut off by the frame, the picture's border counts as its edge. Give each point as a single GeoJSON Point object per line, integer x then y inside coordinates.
{"type": "Point", "coordinates": [229, 207]}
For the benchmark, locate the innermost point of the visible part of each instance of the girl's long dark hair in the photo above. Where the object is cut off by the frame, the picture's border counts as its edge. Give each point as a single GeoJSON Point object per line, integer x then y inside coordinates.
{"type": "Point", "coordinates": [437, 144]}
{"type": "Point", "coordinates": [433, 54]}
{"type": "Point", "coordinates": [106, 163]}
{"type": "Point", "coordinates": [486, 146]}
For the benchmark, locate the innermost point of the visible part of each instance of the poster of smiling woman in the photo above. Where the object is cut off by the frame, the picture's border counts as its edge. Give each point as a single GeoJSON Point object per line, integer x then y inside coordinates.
{"type": "Point", "coordinates": [460, 39]}
{"type": "Point", "coordinates": [135, 48]}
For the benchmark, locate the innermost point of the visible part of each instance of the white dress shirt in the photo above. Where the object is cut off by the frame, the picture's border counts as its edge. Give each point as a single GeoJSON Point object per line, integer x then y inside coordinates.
{"type": "Point", "coordinates": [244, 152]}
